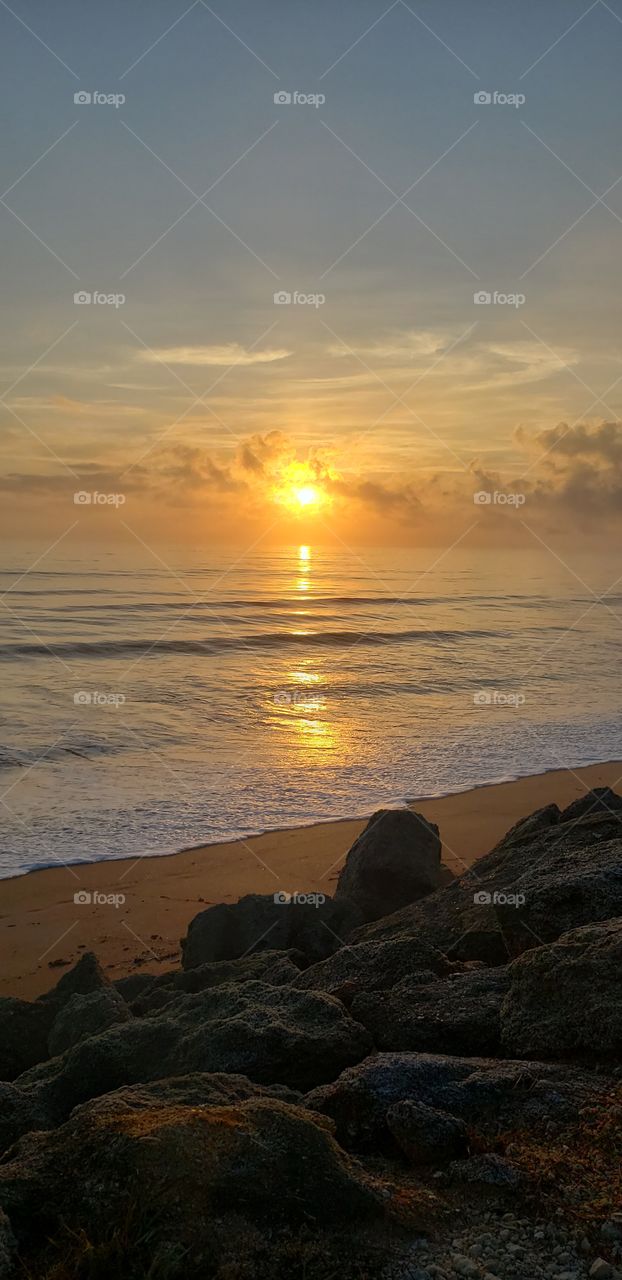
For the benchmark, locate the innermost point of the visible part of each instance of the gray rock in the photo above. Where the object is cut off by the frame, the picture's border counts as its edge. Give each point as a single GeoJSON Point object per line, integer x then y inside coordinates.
{"type": "Point", "coordinates": [273, 1035]}
{"type": "Point", "coordinates": [259, 923]}
{"type": "Point", "coordinates": [85, 1016]}
{"type": "Point", "coordinates": [487, 1095]}
{"type": "Point", "coordinates": [599, 800]}
{"type": "Point", "coordinates": [8, 1248]}
{"type": "Point", "coordinates": [24, 1028]}
{"type": "Point", "coordinates": [278, 968]}
{"type": "Point", "coordinates": [395, 861]}
{"type": "Point", "coordinates": [203, 1089]}
{"type": "Point", "coordinates": [526, 892]}
{"type": "Point", "coordinates": [456, 1015]}
{"type": "Point", "coordinates": [267, 1161]}
{"type": "Point", "coordinates": [426, 1135]}
{"type": "Point", "coordinates": [565, 998]}
{"type": "Point", "coordinates": [25, 1025]}
{"type": "Point", "coordinates": [373, 966]}
{"type": "Point", "coordinates": [601, 1270]}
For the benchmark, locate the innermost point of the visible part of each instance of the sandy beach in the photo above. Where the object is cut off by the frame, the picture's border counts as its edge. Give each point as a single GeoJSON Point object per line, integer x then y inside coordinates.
{"type": "Point", "coordinates": [43, 930]}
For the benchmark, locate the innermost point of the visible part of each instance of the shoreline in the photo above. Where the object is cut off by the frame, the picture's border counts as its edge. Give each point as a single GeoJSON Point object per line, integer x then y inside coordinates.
{"type": "Point", "coordinates": [43, 930]}
{"type": "Point", "coordinates": [407, 803]}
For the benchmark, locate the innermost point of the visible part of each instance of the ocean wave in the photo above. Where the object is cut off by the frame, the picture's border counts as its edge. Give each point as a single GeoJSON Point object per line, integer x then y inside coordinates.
{"type": "Point", "coordinates": [223, 644]}
{"type": "Point", "coordinates": [25, 758]}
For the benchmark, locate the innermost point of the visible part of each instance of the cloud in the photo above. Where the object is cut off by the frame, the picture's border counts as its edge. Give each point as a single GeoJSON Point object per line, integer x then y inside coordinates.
{"type": "Point", "coordinates": [228, 353]}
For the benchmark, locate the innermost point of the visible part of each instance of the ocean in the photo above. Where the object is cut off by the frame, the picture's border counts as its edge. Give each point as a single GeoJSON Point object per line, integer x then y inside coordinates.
{"type": "Point", "coordinates": [189, 698]}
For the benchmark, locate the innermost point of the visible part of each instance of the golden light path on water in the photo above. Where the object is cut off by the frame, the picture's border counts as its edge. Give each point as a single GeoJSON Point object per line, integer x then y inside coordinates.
{"type": "Point", "coordinates": [315, 729]}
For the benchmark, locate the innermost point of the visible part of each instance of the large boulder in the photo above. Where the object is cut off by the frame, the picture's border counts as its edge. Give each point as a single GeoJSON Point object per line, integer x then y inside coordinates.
{"type": "Point", "coordinates": [8, 1248]}
{"type": "Point", "coordinates": [26, 1024]}
{"type": "Point", "coordinates": [180, 1183]}
{"type": "Point", "coordinates": [277, 968]}
{"type": "Point", "coordinates": [24, 1028]}
{"type": "Point", "coordinates": [489, 1096]}
{"type": "Point", "coordinates": [455, 1015]}
{"type": "Point", "coordinates": [273, 1035]}
{"type": "Point", "coordinates": [426, 1135]}
{"type": "Point", "coordinates": [373, 966]}
{"type": "Point", "coordinates": [538, 883]}
{"type": "Point", "coordinates": [566, 998]}
{"type": "Point", "coordinates": [85, 1016]}
{"type": "Point", "coordinates": [203, 1089]}
{"type": "Point", "coordinates": [394, 861]}
{"type": "Point", "coordinates": [313, 924]}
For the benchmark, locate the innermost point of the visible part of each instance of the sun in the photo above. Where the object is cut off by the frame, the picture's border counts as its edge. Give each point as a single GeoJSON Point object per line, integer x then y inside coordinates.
{"type": "Point", "coordinates": [298, 489]}
{"type": "Point", "coordinates": [308, 496]}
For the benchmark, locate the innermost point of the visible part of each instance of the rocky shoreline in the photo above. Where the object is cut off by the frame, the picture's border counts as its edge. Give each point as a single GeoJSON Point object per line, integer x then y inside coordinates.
{"type": "Point", "coordinates": [419, 1078]}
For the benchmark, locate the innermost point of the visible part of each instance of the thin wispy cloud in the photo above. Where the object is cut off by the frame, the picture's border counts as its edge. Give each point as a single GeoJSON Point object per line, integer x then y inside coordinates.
{"type": "Point", "coordinates": [228, 353]}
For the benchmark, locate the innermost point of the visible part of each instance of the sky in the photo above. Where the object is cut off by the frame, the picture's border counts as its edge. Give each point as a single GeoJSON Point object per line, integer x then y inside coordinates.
{"type": "Point", "coordinates": [394, 289]}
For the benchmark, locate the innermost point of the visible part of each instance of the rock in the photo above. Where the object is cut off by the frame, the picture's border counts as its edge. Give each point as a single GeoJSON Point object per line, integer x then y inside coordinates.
{"type": "Point", "coordinates": [373, 966]}
{"type": "Point", "coordinates": [86, 976]}
{"type": "Point", "coordinates": [277, 968]}
{"type": "Point", "coordinates": [203, 1089]}
{"type": "Point", "coordinates": [526, 892]}
{"type": "Point", "coordinates": [273, 1035]}
{"type": "Point", "coordinates": [24, 1028]}
{"type": "Point", "coordinates": [488, 1095]}
{"type": "Point", "coordinates": [455, 1015]}
{"type": "Point", "coordinates": [528, 827]}
{"type": "Point", "coordinates": [136, 983]}
{"type": "Point", "coordinates": [601, 1270]}
{"type": "Point", "coordinates": [564, 998]}
{"type": "Point", "coordinates": [25, 1025]}
{"type": "Point", "coordinates": [489, 1170]}
{"type": "Point", "coordinates": [8, 1248]}
{"type": "Point", "coordinates": [264, 1160]}
{"type": "Point", "coordinates": [84, 1016]}
{"type": "Point", "coordinates": [612, 1228]}
{"type": "Point", "coordinates": [599, 800]}
{"type": "Point", "coordinates": [395, 861]}
{"type": "Point", "coordinates": [426, 1135]}
{"type": "Point", "coordinates": [260, 922]}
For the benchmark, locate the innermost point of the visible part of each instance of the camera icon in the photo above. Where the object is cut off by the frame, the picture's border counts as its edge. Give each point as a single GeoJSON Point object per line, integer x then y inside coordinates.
{"type": "Point", "coordinates": [483, 698]}
{"type": "Point", "coordinates": [282, 298]}
{"type": "Point", "coordinates": [282, 698]}
{"type": "Point", "coordinates": [482, 99]}
{"type": "Point", "coordinates": [281, 898]}
{"type": "Point", "coordinates": [82, 98]}
{"type": "Point", "coordinates": [82, 698]}
{"type": "Point", "coordinates": [83, 898]}
{"type": "Point", "coordinates": [282, 98]}
{"type": "Point", "coordinates": [482, 298]}
{"type": "Point", "coordinates": [482, 899]}
{"type": "Point", "coordinates": [82, 298]}
{"type": "Point", "coordinates": [82, 498]}
{"type": "Point", "coordinates": [482, 498]}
